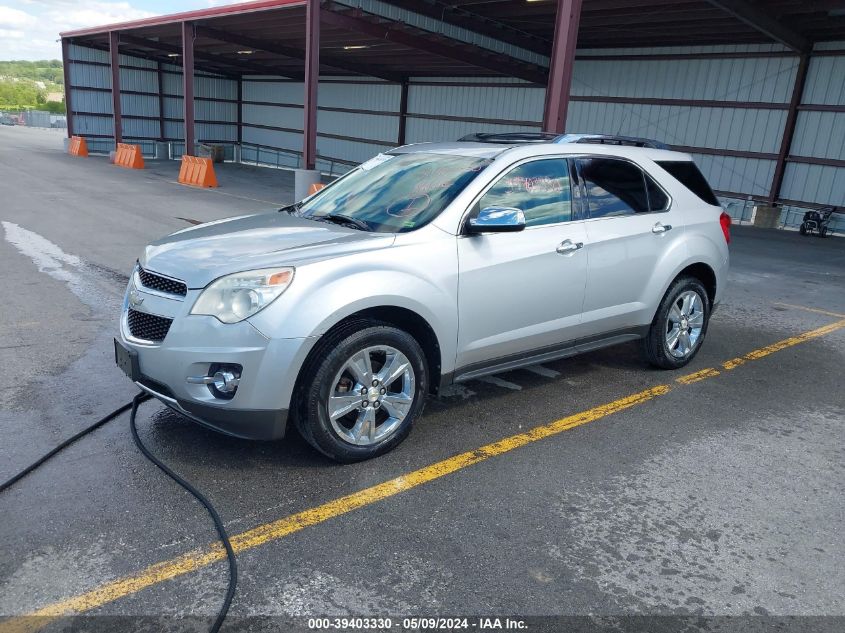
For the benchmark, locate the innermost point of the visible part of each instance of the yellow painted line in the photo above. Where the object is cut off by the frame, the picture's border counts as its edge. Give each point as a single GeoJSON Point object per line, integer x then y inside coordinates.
{"type": "Point", "coordinates": [809, 309]}
{"type": "Point", "coordinates": [699, 375]}
{"type": "Point", "coordinates": [202, 557]}
{"type": "Point", "coordinates": [784, 344]}
{"type": "Point", "coordinates": [196, 559]}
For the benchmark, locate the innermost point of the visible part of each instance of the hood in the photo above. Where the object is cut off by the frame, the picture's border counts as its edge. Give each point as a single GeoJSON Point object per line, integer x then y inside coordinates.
{"type": "Point", "coordinates": [202, 253]}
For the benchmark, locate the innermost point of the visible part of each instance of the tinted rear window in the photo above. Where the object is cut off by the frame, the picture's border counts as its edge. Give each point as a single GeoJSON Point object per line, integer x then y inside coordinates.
{"type": "Point", "coordinates": [687, 174]}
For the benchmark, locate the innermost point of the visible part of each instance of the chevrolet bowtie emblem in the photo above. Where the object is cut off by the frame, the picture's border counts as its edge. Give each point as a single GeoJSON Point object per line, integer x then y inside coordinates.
{"type": "Point", "coordinates": [135, 299]}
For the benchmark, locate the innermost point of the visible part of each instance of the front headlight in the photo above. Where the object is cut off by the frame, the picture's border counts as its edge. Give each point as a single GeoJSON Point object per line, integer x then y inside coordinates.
{"type": "Point", "coordinates": [238, 296]}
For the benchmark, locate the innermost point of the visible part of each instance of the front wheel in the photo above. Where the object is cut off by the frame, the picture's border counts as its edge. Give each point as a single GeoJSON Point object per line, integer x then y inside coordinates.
{"type": "Point", "coordinates": [363, 391]}
{"type": "Point", "coordinates": [679, 326]}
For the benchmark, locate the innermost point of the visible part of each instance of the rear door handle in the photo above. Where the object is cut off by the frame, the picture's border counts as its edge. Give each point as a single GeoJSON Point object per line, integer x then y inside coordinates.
{"type": "Point", "coordinates": [661, 228]}
{"type": "Point", "coordinates": [568, 246]}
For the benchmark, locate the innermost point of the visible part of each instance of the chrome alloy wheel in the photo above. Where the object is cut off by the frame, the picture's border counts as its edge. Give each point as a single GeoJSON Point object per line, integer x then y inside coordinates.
{"type": "Point", "coordinates": [684, 324]}
{"type": "Point", "coordinates": [371, 395]}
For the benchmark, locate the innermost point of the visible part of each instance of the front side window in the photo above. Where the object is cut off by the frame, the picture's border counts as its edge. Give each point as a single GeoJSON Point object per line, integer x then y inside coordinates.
{"type": "Point", "coordinates": [540, 188]}
{"type": "Point", "coordinates": [394, 193]}
{"type": "Point", "coordinates": [614, 187]}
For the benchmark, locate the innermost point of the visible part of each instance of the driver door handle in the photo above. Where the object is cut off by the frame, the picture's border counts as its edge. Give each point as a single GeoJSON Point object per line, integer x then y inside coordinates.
{"type": "Point", "coordinates": [661, 228]}
{"type": "Point", "coordinates": [568, 246]}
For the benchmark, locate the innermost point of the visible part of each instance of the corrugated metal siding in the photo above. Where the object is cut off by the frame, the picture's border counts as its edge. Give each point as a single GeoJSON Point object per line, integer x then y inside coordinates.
{"type": "Point", "coordinates": [369, 126]}
{"type": "Point", "coordinates": [84, 76]}
{"type": "Point", "coordinates": [273, 91]}
{"type": "Point", "coordinates": [825, 81]}
{"type": "Point", "coordinates": [821, 184]}
{"type": "Point", "coordinates": [523, 104]}
{"type": "Point", "coordinates": [138, 80]}
{"type": "Point", "coordinates": [84, 53]}
{"type": "Point", "coordinates": [718, 128]}
{"type": "Point", "coordinates": [424, 130]}
{"type": "Point", "coordinates": [91, 101]}
{"type": "Point", "coordinates": [86, 124]}
{"type": "Point", "coordinates": [741, 175]}
{"type": "Point", "coordinates": [819, 135]}
{"type": "Point", "coordinates": [753, 79]}
{"type": "Point", "coordinates": [138, 105]}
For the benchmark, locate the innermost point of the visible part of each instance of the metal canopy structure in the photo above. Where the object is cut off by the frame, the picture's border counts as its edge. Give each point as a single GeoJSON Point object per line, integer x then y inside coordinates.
{"type": "Point", "coordinates": [531, 41]}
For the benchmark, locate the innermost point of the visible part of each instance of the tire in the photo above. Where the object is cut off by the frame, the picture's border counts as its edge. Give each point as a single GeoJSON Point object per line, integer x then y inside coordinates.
{"type": "Point", "coordinates": [337, 369]}
{"type": "Point", "coordinates": [656, 345]}
{"type": "Point", "coordinates": [823, 232]}
{"type": "Point", "coordinates": [803, 229]}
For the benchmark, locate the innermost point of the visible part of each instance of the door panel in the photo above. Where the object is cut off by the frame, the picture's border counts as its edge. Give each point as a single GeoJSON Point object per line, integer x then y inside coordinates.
{"type": "Point", "coordinates": [517, 293]}
{"type": "Point", "coordinates": [627, 240]}
{"type": "Point", "coordinates": [523, 291]}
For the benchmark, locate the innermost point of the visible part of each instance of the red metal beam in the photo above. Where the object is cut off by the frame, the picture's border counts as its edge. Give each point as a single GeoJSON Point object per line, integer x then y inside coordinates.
{"type": "Point", "coordinates": [403, 112]}
{"type": "Point", "coordinates": [789, 128]}
{"type": "Point", "coordinates": [562, 62]}
{"type": "Point", "coordinates": [114, 62]}
{"type": "Point", "coordinates": [240, 110]}
{"type": "Point", "coordinates": [312, 78]}
{"type": "Point", "coordinates": [66, 75]}
{"type": "Point", "coordinates": [188, 84]}
{"type": "Point", "coordinates": [160, 79]}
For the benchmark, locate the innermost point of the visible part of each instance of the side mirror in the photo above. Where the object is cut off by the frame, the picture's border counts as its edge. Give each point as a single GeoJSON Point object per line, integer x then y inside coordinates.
{"type": "Point", "coordinates": [496, 220]}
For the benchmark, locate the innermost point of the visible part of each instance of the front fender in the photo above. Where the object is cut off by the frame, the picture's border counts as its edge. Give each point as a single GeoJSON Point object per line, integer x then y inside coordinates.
{"type": "Point", "coordinates": [324, 293]}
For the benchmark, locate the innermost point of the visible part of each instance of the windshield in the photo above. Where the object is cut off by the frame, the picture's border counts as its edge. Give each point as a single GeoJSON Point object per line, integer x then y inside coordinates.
{"type": "Point", "coordinates": [394, 193]}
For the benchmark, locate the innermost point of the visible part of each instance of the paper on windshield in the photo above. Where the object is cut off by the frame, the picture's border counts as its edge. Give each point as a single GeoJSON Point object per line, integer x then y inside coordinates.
{"type": "Point", "coordinates": [376, 160]}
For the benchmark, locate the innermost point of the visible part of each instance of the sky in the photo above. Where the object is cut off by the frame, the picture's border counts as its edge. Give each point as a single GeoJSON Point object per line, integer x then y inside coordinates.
{"type": "Point", "coordinates": [29, 29]}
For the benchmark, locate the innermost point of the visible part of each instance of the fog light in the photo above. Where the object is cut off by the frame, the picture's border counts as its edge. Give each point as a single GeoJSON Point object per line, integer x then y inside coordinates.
{"type": "Point", "coordinates": [225, 382]}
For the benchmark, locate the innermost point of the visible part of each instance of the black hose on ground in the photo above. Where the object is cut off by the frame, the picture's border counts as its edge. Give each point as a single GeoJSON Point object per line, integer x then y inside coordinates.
{"type": "Point", "coordinates": [218, 523]}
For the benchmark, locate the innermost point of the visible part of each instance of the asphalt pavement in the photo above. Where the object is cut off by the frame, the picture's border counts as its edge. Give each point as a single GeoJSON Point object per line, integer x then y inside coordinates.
{"type": "Point", "coordinates": [719, 496]}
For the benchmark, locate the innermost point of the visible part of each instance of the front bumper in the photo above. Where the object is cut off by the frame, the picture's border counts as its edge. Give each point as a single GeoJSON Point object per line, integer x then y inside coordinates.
{"type": "Point", "coordinates": [193, 343]}
{"type": "Point", "coordinates": [250, 424]}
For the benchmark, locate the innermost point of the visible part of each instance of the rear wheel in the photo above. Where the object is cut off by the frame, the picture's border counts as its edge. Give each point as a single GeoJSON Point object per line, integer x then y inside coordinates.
{"type": "Point", "coordinates": [363, 392]}
{"type": "Point", "coordinates": [680, 325]}
{"type": "Point", "coordinates": [803, 229]}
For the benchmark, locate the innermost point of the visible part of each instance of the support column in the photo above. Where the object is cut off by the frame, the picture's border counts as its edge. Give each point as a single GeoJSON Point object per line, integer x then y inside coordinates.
{"type": "Point", "coordinates": [238, 151]}
{"type": "Point", "coordinates": [66, 74]}
{"type": "Point", "coordinates": [305, 177]}
{"type": "Point", "coordinates": [114, 58]}
{"type": "Point", "coordinates": [403, 111]}
{"type": "Point", "coordinates": [562, 62]}
{"type": "Point", "coordinates": [188, 85]}
{"type": "Point", "coordinates": [160, 101]}
{"type": "Point", "coordinates": [789, 127]}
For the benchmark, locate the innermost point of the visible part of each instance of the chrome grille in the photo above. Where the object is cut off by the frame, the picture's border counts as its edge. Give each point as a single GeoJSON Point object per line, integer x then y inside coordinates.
{"type": "Point", "coordinates": [147, 327]}
{"type": "Point", "coordinates": [162, 284]}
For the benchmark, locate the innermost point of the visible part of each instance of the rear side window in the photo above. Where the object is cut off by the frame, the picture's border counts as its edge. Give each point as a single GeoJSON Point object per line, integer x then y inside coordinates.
{"type": "Point", "coordinates": [657, 198]}
{"type": "Point", "coordinates": [614, 187]}
{"type": "Point", "coordinates": [687, 173]}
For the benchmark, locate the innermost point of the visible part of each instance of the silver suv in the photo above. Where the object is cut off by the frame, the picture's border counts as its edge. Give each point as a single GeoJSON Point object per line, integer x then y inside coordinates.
{"type": "Point", "coordinates": [428, 265]}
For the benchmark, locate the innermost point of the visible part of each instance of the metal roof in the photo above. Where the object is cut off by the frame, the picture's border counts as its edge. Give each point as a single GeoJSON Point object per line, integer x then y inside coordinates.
{"type": "Point", "coordinates": [268, 36]}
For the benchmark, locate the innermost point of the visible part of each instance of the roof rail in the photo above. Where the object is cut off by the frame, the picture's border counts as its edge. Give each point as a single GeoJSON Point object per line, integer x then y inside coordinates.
{"type": "Point", "coordinates": [611, 139]}
{"type": "Point", "coordinates": [510, 137]}
{"type": "Point", "coordinates": [519, 138]}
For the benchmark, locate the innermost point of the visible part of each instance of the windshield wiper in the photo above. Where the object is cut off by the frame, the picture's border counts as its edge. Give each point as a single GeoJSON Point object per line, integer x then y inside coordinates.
{"type": "Point", "coordinates": [341, 219]}
{"type": "Point", "coordinates": [292, 208]}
